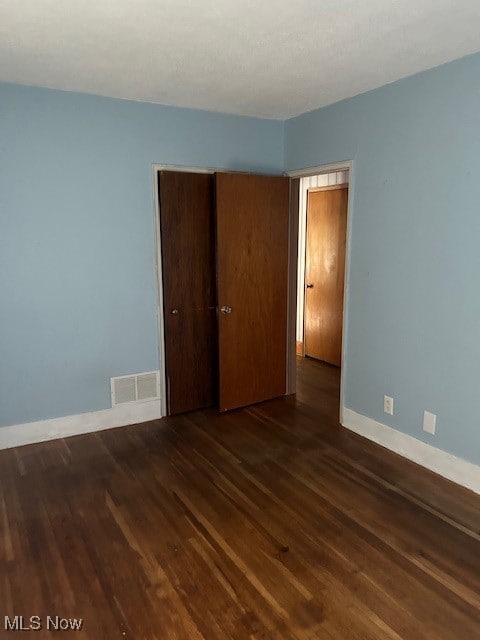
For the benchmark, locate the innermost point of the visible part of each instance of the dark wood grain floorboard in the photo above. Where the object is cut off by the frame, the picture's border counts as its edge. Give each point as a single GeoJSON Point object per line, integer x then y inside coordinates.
{"type": "Point", "coordinates": [269, 522]}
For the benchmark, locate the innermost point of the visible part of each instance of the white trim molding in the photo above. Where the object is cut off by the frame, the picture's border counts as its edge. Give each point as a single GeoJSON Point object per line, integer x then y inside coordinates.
{"type": "Point", "coordinates": [119, 416]}
{"type": "Point", "coordinates": [445, 464]}
{"type": "Point", "coordinates": [321, 168]}
{"type": "Point", "coordinates": [178, 167]}
{"type": "Point", "coordinates": [158, 272]}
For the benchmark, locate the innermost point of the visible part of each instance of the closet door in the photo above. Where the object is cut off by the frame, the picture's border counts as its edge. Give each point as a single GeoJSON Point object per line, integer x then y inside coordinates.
{"type": "Point", "coordinates": [252, 215]}
{"type": "Point", "coordinates": [189, 292]}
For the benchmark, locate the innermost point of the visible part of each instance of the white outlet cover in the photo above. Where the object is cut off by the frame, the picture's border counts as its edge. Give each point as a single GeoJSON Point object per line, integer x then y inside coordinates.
{"type": "Point", "coordinates": [388, 405]}
{"type": "Point", "coordinates": [429, 422]}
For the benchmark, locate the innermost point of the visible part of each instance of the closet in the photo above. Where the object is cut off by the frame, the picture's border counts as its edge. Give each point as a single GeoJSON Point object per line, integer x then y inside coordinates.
{"type": "Point", "coordinates": [225, 248]}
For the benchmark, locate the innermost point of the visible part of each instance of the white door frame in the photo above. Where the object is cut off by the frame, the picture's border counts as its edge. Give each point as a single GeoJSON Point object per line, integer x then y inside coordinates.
{"type": "Point", "coordinates": [158, 263]}
{"type": "Point", "coordinates": [314, 171]}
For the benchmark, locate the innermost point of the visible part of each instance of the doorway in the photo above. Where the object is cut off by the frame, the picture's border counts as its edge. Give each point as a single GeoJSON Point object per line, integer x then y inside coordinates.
{"type": "Point", "coordinates": [323, 230]}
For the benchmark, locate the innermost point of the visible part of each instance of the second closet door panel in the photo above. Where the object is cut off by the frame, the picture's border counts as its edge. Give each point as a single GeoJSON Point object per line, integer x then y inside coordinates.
{"type": "Point", "coordinates": [252, 214]}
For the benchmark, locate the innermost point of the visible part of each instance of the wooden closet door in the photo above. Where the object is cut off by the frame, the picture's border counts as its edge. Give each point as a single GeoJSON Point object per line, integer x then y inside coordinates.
{"type": "Point", "coordinates": [325, 273]}
{"type": "Point", "coordinates": [252, 214]}
{"type": "Point", "coordinates": [189, 291]}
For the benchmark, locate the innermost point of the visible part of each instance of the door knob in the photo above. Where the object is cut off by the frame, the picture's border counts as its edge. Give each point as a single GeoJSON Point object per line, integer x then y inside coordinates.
{"type": "Point", "coordinates": [226, 309]}
{"type": "Point", "coordinates": [309, 285]}
{"type": "Point", "coordinates": [174, 312]}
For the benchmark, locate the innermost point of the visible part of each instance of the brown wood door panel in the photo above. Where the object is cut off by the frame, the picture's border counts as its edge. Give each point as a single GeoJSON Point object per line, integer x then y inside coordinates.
{"type": "Point", "coordinates": [188, 271]}
{"type": "Point", "coordinates": [325, 273]}
{"type": "Point", "coordinates": [252, 215]}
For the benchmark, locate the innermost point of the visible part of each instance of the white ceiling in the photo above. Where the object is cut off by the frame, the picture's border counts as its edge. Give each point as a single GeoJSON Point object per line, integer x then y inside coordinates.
{"type": "Point", "coordinates": [272, 58]}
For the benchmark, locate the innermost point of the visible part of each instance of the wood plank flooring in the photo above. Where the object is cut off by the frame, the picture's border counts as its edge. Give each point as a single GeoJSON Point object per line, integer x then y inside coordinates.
{"type": "Point", "coordinates": [270, 522]}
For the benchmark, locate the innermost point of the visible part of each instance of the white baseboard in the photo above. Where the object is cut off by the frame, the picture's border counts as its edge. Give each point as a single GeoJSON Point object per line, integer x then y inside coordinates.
{"type": "Point", "coordinates": [19, 434]}
{"type": "Point", "coordinates": [445, 464]}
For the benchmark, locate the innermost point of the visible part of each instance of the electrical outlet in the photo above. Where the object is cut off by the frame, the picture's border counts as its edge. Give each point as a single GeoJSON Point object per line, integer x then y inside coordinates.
{"type": "Point", "coordinates": [388, 405]}
{"type": "Point", "coordinates": [429, 422]}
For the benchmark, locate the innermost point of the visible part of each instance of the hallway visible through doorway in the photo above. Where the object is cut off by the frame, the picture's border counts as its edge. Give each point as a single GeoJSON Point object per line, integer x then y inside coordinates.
{"type": "Point", "coordinates": [323, 202]}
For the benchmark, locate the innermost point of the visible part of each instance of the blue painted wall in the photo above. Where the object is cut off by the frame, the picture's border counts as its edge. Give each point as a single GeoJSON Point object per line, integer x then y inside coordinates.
{"type": "Point", "coordinates": [77, 264]}
{"type": "Point", "coordinates": [413, 326]}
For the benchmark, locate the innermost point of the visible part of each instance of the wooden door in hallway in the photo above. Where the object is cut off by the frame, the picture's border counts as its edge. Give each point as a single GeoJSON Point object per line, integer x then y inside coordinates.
{"type": "Point", "coordinates": [189, 291]}
{"type": "Point", "coordinates": [325, 273]}
{"type": "Point", "coordinates": [252, 279]}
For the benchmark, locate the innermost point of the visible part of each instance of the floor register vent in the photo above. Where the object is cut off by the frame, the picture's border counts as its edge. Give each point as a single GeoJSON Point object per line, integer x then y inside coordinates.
{"type": "Point", "coordinates": [140, 387]}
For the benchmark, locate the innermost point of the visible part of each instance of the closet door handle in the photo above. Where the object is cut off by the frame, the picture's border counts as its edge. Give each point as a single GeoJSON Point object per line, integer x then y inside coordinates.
{"type": "Point", "coordinates": [309, 285]}
{"type": "Point", "coordinates": [226, 309]}
{"type": "Point", "coordinates": [174, 312]}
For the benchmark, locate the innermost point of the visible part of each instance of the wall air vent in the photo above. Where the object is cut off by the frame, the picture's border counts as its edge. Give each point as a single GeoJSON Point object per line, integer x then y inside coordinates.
{"type": "Point", "coordinates": [147, 386]}
{"type": "Point", "coordinates": [140, 387]}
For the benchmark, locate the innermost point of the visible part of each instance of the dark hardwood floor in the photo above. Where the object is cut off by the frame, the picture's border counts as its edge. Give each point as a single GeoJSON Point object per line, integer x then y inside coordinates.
{"type": "Point", "coordinates": [267, 522]}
